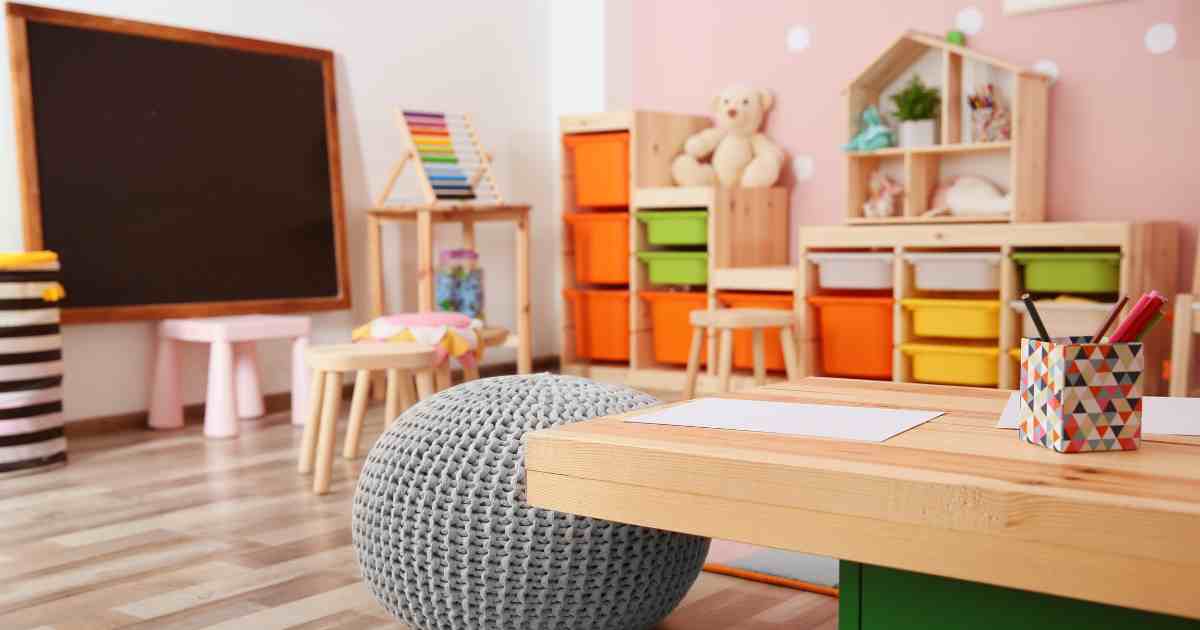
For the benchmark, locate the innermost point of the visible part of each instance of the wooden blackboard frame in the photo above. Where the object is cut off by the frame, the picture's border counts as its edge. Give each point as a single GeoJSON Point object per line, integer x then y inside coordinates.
{"type": "Point", "coordinates": [18, 15]}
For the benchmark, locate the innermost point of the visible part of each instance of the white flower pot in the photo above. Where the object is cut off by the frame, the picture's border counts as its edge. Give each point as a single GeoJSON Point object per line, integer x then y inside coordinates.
{"type": "Point", "coordinates": [917, 133]}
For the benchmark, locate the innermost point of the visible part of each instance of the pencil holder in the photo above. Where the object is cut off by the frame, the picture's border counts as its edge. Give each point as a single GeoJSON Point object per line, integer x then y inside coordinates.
{"type": "Point", "coordinates": [1078, 396]}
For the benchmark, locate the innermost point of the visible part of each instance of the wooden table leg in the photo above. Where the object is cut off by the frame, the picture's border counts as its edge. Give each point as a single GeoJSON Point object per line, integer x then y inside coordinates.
{"type": "Point", "coordinates": [331, 400]}
{"type": "Point", "coordinates": [726, 360]}
{"type": "Point", "coordinates": [375, 266]}
{"type": "Point", "coordinates": [424, 384]}
{"type": "Point", "coordinates": [391, 408]}
{"type": "Point", "coordinates": [424, 261]}
{"type": "Point", "coordinates": [524, 324]}
{"type": "Point", "coordinates": [693, 364]}
{"type": "Point", "coordinates": [788, 341]}
{"type": "Point", "coordinates": [408, 394]}
{"type": "Point", "coordinates": [442, 376]}
{"type": "Point", "coordinates": [760, 357]}
{"type": "Point", "coordinates": [358, 409]}
{"type": "Point", "coordinates": [375, 284]}
{"type": "Point", "coordinates": [308, 444]}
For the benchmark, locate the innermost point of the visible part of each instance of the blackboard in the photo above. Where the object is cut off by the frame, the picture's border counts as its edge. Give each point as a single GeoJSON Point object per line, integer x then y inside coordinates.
{"type": "Point", "coordinates": [177, 172]}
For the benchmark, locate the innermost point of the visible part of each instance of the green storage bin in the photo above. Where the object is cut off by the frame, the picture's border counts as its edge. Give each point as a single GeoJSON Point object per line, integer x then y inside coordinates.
{"type": "Point", "coordinates": [676, 267]}
{"type": "Point", "coordinates": [1070, 272]}
{"type": "Point", "coordinates": [675, 227]}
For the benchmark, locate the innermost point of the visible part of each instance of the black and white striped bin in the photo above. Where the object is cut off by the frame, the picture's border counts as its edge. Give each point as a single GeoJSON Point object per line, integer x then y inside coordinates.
{"type": "Point", "coordinates": [31, 367]}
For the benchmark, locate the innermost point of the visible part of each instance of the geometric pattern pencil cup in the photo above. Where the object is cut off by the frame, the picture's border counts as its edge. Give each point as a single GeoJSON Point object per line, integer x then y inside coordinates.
{"type": "Point", "coordinates": [1078, 396]}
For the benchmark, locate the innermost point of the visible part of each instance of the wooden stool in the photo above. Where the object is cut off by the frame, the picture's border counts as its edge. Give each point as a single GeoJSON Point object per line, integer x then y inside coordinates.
{"type": "Point", "coordinates": [728, 320]}
{"type": "Point", "coordinates": [402, 361]}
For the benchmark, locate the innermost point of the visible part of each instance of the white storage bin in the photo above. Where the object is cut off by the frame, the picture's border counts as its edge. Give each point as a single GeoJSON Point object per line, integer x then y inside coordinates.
{"type": "Point", "coordinates": [957, 271]}
{"type": "Point", "coordinates": [1063, 318]}
{"type": "Point", "coordinates": [867, 270]}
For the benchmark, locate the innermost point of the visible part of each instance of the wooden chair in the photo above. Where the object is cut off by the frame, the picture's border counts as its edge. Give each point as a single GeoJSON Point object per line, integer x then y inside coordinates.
{"type": "Point", "coordinates": [1187, 325]}
{"type": "Point", "coordinates": [725, 321]}
{"type": "Point", "coordinates": [402, 361]}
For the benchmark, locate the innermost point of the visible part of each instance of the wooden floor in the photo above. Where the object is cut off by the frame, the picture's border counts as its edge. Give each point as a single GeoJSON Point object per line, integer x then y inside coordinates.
{"type": "Point", "coordinates": [173, 531]}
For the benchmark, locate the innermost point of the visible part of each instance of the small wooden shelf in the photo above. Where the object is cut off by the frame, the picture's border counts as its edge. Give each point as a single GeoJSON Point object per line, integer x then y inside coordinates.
{"type": "Point", "coordinates": [1017, 166]}
{"type": "Point", "coordinates": [937, 149]}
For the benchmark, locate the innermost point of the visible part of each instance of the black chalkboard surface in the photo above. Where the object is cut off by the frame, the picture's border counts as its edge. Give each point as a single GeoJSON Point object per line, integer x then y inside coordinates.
{"type": "Point", "coordinates": [178, 172]}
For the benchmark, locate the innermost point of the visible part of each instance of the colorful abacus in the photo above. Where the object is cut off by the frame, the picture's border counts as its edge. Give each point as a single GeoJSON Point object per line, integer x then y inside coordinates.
{"type": "Point", "coordinates": [454, 168]}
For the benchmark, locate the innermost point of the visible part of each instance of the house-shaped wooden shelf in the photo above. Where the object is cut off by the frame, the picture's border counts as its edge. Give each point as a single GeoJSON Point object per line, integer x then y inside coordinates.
{"type": "Point", "coordinates": [1016, 166]}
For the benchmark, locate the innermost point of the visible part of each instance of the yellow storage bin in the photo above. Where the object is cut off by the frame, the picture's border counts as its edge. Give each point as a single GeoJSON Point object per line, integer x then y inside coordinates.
{"type": "Point", "coordinates": [953, 365]}
{"type": "Point", "coordinates": [955, 319]}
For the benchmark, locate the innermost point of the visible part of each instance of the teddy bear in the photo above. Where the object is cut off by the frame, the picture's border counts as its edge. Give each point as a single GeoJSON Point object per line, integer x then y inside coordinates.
{"type": "Point", "coordinates": [741, 156]}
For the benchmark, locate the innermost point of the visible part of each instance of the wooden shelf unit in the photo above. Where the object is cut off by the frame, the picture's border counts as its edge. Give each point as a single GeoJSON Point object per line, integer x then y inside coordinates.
{"type": "Point", "coordinates": [1149, 260]}
{"type": "Point", "coordinates": [920, 169]}
{"type": "Point", "coordinates": [748, 232]}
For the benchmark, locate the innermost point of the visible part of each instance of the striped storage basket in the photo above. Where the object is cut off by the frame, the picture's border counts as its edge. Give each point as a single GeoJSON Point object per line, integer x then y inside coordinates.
{"type": "Point", "coordinates": [31, 419]}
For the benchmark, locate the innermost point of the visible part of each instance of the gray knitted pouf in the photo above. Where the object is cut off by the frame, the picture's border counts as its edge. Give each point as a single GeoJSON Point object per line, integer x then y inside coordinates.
{"type": "Point", "coordinates": [445, 539]}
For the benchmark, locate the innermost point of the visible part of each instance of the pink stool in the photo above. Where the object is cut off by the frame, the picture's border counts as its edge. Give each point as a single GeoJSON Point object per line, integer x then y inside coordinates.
{"type": "Point", "coordinates": [233, 389]}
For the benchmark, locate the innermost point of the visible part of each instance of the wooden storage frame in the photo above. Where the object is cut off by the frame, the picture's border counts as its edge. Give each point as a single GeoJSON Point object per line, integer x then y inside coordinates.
{"type": "Point", "coordinates": [1026, 151]}
{"type": "Point", "coordinates": [747, 241]}
{"type": "Point", "coordinates": [1149, 260]}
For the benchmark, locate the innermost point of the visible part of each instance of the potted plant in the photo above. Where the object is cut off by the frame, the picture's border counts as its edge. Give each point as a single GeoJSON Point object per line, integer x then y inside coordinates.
{"type": "Point", "coordinates": [916, 107]}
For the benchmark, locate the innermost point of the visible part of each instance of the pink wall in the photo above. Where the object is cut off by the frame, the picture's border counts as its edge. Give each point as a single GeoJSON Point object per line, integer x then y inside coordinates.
{"type": "Point", "coordinates": [1123, 122]}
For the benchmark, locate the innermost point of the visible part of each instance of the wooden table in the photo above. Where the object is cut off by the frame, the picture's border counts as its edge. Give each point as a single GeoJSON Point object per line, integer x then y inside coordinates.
{"type": "Point", "coordinates": [425, 216]}
{"type": "Point", "coordinates": [954, 506]}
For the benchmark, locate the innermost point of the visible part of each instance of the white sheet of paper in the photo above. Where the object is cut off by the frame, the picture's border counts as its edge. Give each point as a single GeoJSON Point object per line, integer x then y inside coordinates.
{"type": "Point", "coordinates": [1161, 415]}
{"type": "Point", "coordinates": [868, 424]}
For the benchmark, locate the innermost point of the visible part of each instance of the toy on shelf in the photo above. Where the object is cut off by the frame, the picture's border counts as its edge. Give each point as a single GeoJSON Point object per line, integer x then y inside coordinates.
{"type": "Point", "coordinates": [990, 119]}
{"type": "Point", "coordinates": [969, 196]}
{"type": "Point", "coordinates": [885, 192]}
{"type": "Point", "coordinates": [451, 165]}
{"type": "Point", "coordinates": [458, 286]}
{"type": "Point", "coordinates": [873, 135]}
{"type": "Point", "coordinates": [740, 154]}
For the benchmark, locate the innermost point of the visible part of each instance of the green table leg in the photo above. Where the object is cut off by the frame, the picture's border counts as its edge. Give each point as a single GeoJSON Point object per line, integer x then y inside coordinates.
{"type": "Point", "coordinates": [878, 598]}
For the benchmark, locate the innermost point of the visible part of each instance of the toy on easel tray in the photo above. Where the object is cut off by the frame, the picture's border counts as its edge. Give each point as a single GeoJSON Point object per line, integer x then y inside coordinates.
{"type": "Point", "coordinates": [458, 284]}
{"type": "Point", "coordinates": [884, 195]}
{"type": "Point", "coordinates": [990, 119]}
{"type": "Point", "coordinates": [873, 134]}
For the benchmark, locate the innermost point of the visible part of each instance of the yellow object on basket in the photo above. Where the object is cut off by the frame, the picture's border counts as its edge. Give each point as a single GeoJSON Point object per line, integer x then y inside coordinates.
{"type": "Point", "coordinates": [953, 364]}
{"type": "Point", "coordinates": [957, 319]}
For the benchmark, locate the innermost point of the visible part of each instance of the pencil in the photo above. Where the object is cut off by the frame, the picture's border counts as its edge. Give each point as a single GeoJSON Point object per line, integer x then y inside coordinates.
{"type": "Point", "coordinates": [1037, 319]}
{"type": "Point", "coordinates": [1154, 320]}
{"type": "Point", "coordinates": [1112, 317]}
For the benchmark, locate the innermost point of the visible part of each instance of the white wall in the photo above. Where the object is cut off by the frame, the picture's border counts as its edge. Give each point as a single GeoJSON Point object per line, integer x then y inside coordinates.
{"type": "Point", "coordinates": [618, 54]}
{"type": "Point", "coordinates": [490, 58]}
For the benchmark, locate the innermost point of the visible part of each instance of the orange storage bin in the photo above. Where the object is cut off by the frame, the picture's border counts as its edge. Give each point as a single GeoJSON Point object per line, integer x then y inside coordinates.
{"type": "Point", "coordinates": [601, 168]}
{"type": "Point", "coordinates": [743, 340]}
{"type": "Point", "coordinates": [856, 335]}
{"type": "Point", "coordinates": [601, 323]}
{"type": "Point", "coordinates": [601, 242]}
{"type": "Point", "coordinates": [669, 312]}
